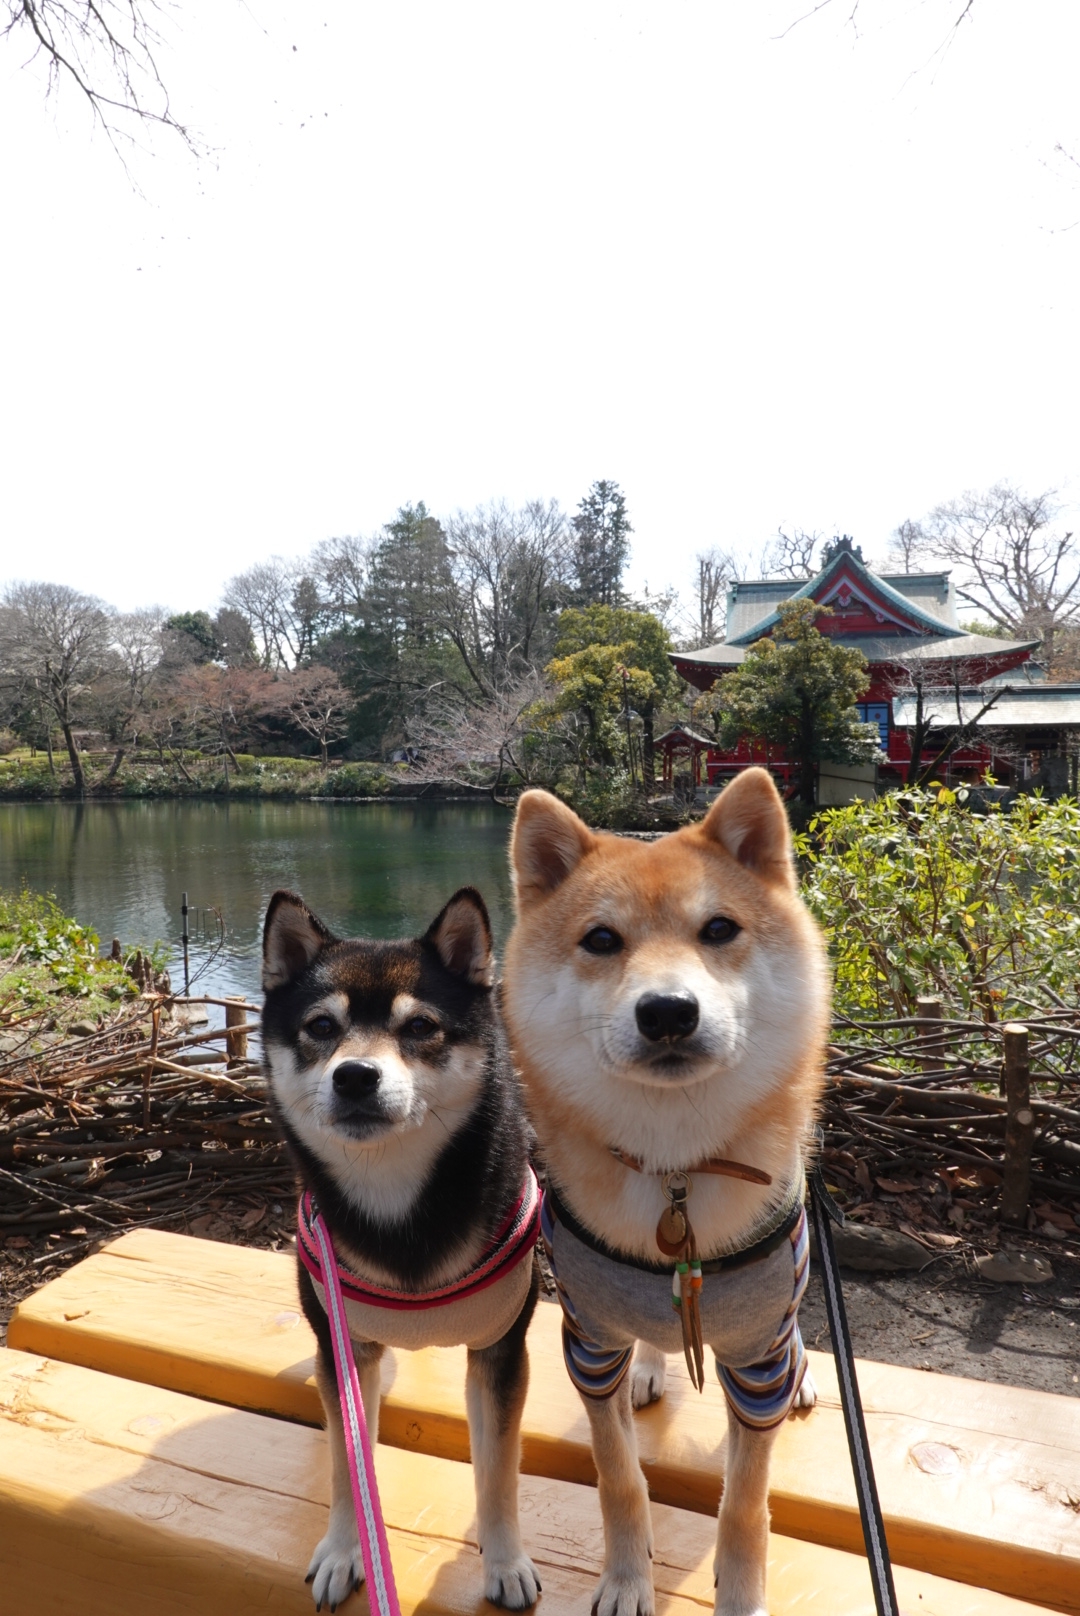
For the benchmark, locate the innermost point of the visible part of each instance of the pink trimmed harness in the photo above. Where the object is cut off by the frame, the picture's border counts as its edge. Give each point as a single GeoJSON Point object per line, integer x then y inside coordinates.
{"type": "Point", "coordinates": [511, 1243]}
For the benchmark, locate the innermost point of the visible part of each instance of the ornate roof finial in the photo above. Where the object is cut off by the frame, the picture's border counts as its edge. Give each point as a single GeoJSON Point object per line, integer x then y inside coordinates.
{"type": "Point", "coordinates": [845, 545]}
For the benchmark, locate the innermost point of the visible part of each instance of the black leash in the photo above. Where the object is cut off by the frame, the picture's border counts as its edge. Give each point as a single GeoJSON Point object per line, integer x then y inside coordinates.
{"type": "Point", "coordinates": [825, 1212]}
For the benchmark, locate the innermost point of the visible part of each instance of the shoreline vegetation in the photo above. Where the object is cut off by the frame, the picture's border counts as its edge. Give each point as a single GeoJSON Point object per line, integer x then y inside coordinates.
{"type": "Point", "coordinates": [26, 776]}
{"type": "Point", "coordinates": [29, 777]}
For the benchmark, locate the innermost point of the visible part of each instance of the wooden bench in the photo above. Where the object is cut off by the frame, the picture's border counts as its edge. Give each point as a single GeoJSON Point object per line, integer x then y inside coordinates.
{"type": "Point", "coordinates": [123, 1499]}
{"type": "Point", "coordinates": [978, 1482]}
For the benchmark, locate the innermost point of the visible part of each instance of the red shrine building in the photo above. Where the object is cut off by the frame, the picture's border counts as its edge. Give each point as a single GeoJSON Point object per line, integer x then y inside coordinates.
{"type": "Point", "coordinates": [906, 626]}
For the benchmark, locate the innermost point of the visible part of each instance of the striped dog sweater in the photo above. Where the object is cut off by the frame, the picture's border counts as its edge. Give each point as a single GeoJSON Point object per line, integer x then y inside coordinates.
{"type": "Point", "coordinates": [749, 1312]}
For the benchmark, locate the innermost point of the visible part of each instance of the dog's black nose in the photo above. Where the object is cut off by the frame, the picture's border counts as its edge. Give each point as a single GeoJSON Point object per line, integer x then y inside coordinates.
{"type": "Point", "coordinates": [666, 1016]}
{"type": "Point", "coordinates": [356, 1079]}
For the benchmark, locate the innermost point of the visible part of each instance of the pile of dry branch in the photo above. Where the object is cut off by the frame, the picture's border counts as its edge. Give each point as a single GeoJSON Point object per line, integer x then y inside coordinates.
{"type": "Point", "coordinates": [952, 1129]}
{"type": "Point", "coordinates": [140, 1123]}
{"type": "Point", "coordinates": [947, 1129]}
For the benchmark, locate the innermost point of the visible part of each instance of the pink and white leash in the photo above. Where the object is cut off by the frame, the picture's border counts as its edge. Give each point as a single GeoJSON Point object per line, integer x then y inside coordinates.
{"type": "Point", "coordinates": [382, 1592]}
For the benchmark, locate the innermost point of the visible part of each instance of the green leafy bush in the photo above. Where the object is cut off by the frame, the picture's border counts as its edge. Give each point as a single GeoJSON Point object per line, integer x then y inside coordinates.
{"type": "Point", "coordinates": [285, 765]}
{"type": "Point", "coordinates": [607, 800]}
{"type": "Point", "coordinates": [354, 780]}
{"type": "Point", "coordinates": [917, 895]}
{"type": "Point", "coordinates": [34, 925]}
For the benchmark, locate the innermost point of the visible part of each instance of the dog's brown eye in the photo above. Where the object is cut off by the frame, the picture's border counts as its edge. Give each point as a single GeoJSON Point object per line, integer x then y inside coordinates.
{"type": "Point", "coordinates": [420, 1027]}
{"type": "Point", "coordinates": [321, 1027]}
{"type": "Point", "coordinates": [719, 930]}
{"type": "Point", "coordinates": [601, 940]}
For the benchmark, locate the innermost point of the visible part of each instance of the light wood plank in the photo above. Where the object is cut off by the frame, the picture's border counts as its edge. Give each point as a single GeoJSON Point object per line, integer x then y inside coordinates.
{"type": "Point", "coordinates": [119, 1498]}
{"type": "Point", "coordinates": [978, 1482]}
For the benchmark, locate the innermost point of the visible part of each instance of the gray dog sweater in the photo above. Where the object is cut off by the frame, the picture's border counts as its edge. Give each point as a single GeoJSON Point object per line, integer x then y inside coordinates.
{"type": "Point", "coordinates": [749, 1311]}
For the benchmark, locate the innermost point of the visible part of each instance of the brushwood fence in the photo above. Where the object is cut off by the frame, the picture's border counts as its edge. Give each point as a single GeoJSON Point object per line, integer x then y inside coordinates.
{"type": "Point", "coordinates": [958, 1123]}
{"type": "Point", "coordinates": [951, 1128]}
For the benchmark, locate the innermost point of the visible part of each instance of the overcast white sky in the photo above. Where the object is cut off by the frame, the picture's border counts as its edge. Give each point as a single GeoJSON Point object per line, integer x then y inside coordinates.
{"type": "Point", "coordinates": [452, 251]}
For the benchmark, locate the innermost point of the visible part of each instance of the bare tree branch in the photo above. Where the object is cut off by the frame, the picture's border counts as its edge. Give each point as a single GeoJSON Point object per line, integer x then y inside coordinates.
{"type": "Point", "coordinates": [1014, 567]}
{"type": "Point", "coordinates": [109, 50]}
{"type": "Point", "coordinates": [791, 555]}
{"type": "Point", "coordinates": [53, 644]}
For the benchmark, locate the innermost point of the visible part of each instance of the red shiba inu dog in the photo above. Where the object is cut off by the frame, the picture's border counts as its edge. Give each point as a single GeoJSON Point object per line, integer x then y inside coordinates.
{"type": "Point", "coordinates": [667, 1005]}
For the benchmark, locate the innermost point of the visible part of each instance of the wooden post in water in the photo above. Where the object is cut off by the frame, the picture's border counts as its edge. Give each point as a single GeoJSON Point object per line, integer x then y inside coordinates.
{"type": "Point", "coordinates": [184, 941]}
{"type": "Point", "coordinates": [148, 1069]}
{"type": "Point", "coordinates": [1019, 1125]}
{"type": "Point", "coordinates": [236, 1042]}
{"type": "Point", "coordinates": [929, 1012]}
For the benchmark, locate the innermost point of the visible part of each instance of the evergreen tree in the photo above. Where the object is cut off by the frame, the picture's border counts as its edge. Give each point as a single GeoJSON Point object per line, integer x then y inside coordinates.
{"type": "Point", "coordinates": [601, 545]}
{"type": "Point", "coordinates": [410, 574]}
{"type": "Point", "coordinates": [200, 642]}
{"type": "Point", "coordinates": [644, 644]}
{"type": "Point", "coordinates": [399, 654]}
{"type": "Point", "coordinates": [798, 690]}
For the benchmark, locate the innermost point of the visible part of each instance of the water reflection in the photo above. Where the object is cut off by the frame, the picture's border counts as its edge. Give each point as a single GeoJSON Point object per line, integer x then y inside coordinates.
{"type": "Point", "coordinates": [375, 869]}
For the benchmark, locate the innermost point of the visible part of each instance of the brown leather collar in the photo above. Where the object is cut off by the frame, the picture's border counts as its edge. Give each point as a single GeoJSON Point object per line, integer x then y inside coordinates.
{"type": "Point", "coordinates": [716, 1164]}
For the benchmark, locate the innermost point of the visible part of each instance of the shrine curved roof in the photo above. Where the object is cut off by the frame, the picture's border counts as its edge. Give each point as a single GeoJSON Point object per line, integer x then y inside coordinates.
{"type": "Point", "coordinates": [771, 594]}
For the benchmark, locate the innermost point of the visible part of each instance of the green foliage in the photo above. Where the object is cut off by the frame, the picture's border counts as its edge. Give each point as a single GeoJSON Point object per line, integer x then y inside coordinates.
{"type": "Point", "coordinates": [641, 638]}
{"type": "Point", "coordinates": [398, 646]}
{"type": "Point", "coordinates": [595, 645]}
{"type": "Point", "coordinates": [601, 544]}
{"type": "Point", "coordinates": [144, 775]}
{"type": "Point", "coordinates": [30, 779]}
{"type": "Point", "coordinates": [56, 953]}
{"type": "Point", "coordinates": [606, 799]}
{"type": "Point", "coordinates": [797, 690]}
{"type": "Point", "coordinates": [281, 767]}
{"type": "Point", "coordinates": [919, 896]}
{"type": "Point", "coordinates": [591, 689]}
{"type": "Point", "coordinates": [200, 632]}
{"type": "Point", "coordinates": [355, 780]}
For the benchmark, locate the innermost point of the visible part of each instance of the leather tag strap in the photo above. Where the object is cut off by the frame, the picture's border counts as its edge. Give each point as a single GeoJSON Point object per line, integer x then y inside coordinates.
{"type": "Point", "coordinates": [717, 1165]}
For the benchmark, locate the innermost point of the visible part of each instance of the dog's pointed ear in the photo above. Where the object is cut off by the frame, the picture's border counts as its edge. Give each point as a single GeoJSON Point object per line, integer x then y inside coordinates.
{"type": "Point", "coordinates": [548, 842]}
{"type": "Point", "coordinates": [292, 936]}
{"type": "Point", "coordinates": [749, 821]}
{"type": "Point", "coordinates": [461, 936]}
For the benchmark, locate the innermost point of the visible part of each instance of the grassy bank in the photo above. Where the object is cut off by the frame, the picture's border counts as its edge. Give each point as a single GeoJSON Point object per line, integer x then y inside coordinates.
{"type": "Point", "coordinates": [24, 778]}
{"type": "Point", "coordinates": [53, 981]}
{"type": "Point", "coordinates": [607, 802]}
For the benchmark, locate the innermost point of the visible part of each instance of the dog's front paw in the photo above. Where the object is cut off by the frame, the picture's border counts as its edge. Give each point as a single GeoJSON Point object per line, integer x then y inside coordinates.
{"type": "Point", "coordinates": [806, 1396]}
{"type": "Point", "coordinates": [336, 1569]}
{"type": "Point", "coordinates": [511, 1581]}
{"type": "Point", "coordinates": [648, 1374]}
{"type": "Point", "coordinates": [624, 1593]}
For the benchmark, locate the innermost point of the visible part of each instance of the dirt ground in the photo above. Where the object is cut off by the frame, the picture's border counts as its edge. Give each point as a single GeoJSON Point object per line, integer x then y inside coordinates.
{"type": "Point", "coordinates": [944, 1318]}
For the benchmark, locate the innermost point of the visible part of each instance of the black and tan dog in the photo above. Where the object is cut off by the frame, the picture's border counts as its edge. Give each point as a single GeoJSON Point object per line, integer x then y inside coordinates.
{"type": "Point", "coordinates": [393, 1088]}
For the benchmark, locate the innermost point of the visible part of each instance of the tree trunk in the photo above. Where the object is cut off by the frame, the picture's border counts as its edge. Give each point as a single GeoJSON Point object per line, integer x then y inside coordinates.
{"type": "Point", "coordinates": [648, 751]}
{"type": "Point", "coordinates": [806, 760]}
{"type": "Point", "coordinates": [76, 761]}
{"type": "Point", "coordinates": [179, 761]}
{"type": "Point", "coordinates": [114, 769]}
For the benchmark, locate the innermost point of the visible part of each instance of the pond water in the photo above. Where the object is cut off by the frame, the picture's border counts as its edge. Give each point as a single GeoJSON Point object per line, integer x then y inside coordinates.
{"type": "Point", "coordinates": [369, 869]}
